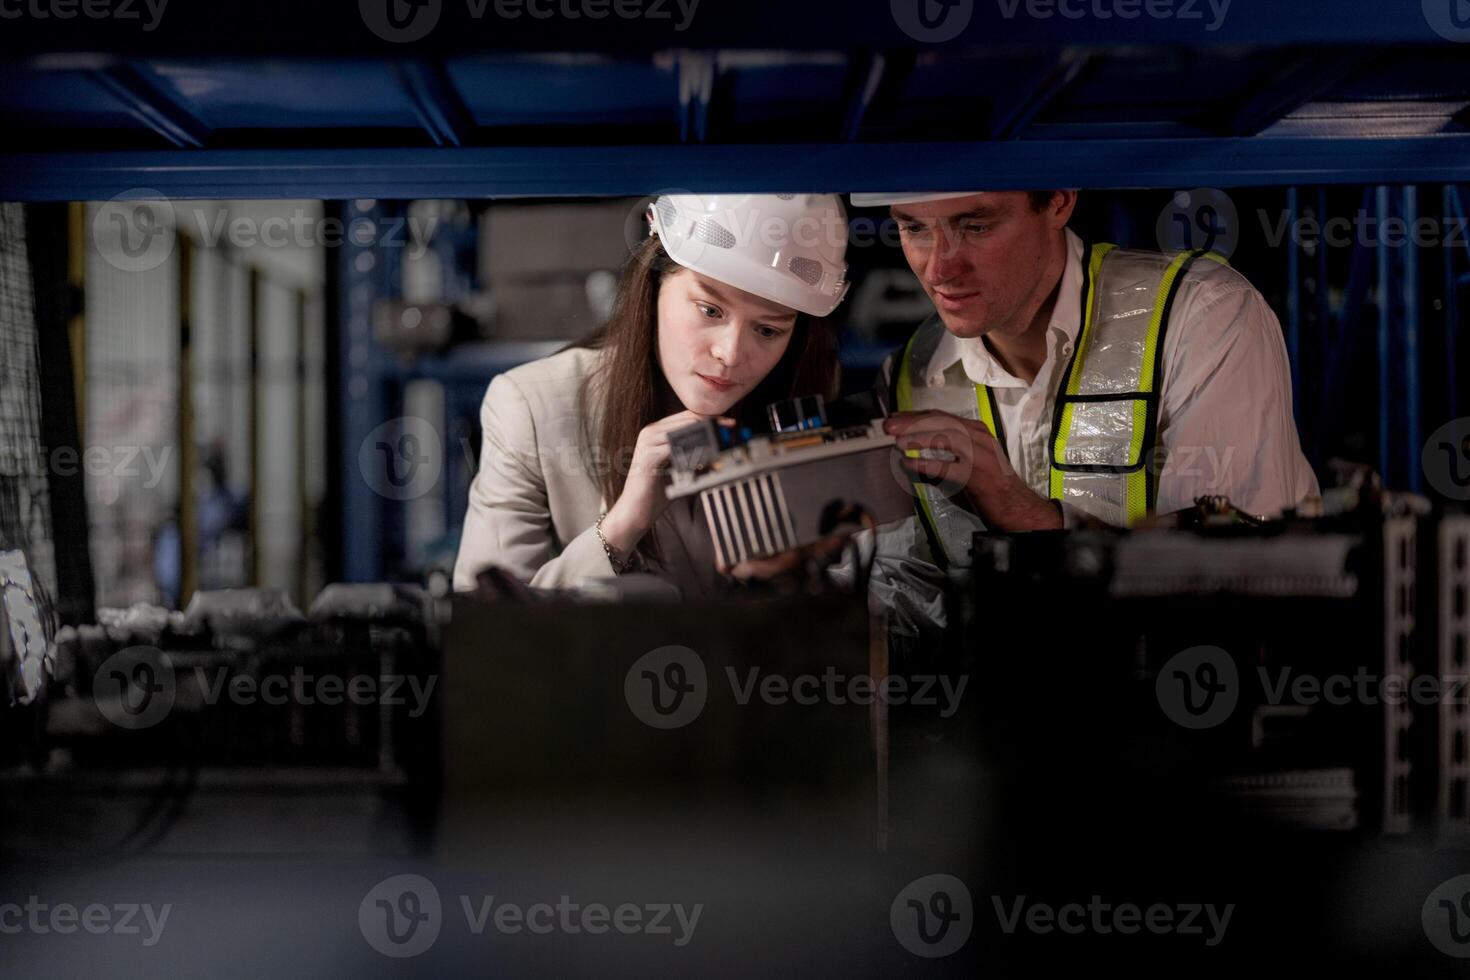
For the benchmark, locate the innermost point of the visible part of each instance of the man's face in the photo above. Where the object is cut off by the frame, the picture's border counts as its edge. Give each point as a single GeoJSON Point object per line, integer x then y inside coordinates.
{"type": "Point", "coordinates": [982, 259]}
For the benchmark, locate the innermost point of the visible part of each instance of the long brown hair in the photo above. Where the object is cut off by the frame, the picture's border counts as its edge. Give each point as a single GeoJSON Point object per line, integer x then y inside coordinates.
{"type": "Point", "coordinates": [628, 388]}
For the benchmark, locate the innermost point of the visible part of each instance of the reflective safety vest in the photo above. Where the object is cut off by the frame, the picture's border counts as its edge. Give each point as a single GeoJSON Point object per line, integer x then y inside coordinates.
{"type": "Point", "coordinates": [1105, 420]}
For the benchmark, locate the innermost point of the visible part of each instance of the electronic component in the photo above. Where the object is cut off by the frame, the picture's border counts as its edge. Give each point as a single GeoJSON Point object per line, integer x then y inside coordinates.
{"type": "Point", "coordinates": [795, 414]}
{"type": "Point", "coordinates": [766, 494]}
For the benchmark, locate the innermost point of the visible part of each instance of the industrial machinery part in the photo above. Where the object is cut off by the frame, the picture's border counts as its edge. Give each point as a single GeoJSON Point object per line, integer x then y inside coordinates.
{"type": "Point", "coordinates": [766, 494]}
{"type": "Point", "coordinates": [1302, 636]}
{"type": "Point", "coordinates": [247, 680]}
{"type": "Point", "coordinates": [23, 638]}
{"type": "Point", "coordinates": [1452, 640]}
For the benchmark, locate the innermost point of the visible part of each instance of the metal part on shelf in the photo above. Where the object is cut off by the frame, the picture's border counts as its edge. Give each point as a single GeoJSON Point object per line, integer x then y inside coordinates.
{"type": "Point", "coordinates": [1161, 563]}
{"type": "Point", "coordinates": [1274, 623]}
{"type": "Point", "coordinates": [1452, 647]}
{"type": "Point", "coordinates": [23, 660]}
{"type": "Point", "coordinates": [1400, 591]}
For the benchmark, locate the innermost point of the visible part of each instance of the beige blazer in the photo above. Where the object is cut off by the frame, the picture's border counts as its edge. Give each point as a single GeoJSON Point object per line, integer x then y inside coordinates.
{"type": "Point", "coordinates": [536, 497]}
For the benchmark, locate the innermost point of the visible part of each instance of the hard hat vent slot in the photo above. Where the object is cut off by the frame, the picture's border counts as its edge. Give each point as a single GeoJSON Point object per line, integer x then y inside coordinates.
{"type": "Point", "coordinates": [667, 214]}
{"type": "Point", "coordinates": [713, 233]}
{"type": "Point", "coordinates": [807, 270]}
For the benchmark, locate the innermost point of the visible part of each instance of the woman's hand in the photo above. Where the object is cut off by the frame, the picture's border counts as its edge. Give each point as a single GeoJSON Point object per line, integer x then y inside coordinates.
{"type": "Point", "coordinates": [643, 498]}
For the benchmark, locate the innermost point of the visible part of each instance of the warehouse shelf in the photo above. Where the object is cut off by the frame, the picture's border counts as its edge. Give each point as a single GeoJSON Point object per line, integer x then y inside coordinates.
{"type": "Point", "coordinates": [1279, 94]}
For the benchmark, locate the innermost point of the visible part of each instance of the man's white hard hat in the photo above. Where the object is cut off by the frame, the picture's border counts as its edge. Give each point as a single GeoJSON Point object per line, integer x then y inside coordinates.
{"type": "Point", "coordinates": [787, 248]}
{"type": "Point", "coordinates": [883, 200]}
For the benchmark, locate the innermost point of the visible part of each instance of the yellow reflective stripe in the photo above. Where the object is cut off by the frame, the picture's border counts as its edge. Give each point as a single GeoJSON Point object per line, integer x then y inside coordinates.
{"type": "Point", "coordinates": [905, 397]}
{"type": "Point", "coordinates": [1099, 252]}
{"type": "Point", "coordinates": [1057, 476]}
{"type": "Point", "coordinates": [1137, 483]}
{"type": "Point", "coordinates": [1136, 508]}
{"type": "Point", "coordinates": [1074, 380]}
{"type": "Point", "coordinates": [982, 402]}
{"type": "Point", "coordinates": [905, 382]}
{"type": "Point", "coordinates": [1155, 323]}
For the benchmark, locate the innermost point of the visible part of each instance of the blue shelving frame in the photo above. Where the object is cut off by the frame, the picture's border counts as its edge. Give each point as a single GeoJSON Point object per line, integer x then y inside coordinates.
{"type": "Point", "coordinates": [839, 97]}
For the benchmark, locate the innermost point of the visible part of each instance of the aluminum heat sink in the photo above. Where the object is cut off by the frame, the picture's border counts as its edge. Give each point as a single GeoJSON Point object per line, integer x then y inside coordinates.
{"type": "Point", "coordinates": [774, 493]}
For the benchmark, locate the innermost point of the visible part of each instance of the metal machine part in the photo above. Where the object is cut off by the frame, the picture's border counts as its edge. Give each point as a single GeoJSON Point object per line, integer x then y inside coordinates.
{"type": "Point", "coordinates": [1453, 650]}
{"type": "Point", "coordinates": [23, 640]}
{"type": "Point", "coordinates": [1306, 632]}
{"type": "Point", "coordinates": [246, 680]}
{"type": "Point", "coordinates": [773, 493]}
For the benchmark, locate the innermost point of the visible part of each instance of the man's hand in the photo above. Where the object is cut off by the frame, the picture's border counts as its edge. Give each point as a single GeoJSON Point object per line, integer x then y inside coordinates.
{"type": "Point", "coordinates": [979, 469]}
{"type": "Point", "coordinates": [818, 554]}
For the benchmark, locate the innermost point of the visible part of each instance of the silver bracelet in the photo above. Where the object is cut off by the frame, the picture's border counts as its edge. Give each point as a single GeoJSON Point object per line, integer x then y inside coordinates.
{"type": "Point", "coordinates": [618, 564]}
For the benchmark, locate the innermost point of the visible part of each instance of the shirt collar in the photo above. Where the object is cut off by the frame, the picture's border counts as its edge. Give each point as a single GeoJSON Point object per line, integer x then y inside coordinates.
{"type": "Point", "coordinates": [981, 367]}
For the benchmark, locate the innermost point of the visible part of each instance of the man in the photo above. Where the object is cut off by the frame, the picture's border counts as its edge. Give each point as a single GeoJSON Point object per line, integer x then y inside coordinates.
{"type": "Point", "coordinates": [1060, 383]}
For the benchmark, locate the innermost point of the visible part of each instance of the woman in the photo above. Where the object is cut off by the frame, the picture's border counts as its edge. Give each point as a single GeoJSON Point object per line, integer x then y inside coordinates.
{"type": "Point", "coordinates": [718, 314]}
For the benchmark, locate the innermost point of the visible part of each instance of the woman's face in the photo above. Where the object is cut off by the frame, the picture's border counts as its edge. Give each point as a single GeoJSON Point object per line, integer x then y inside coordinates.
{"type": "Point", "coordinates": [716, 342]}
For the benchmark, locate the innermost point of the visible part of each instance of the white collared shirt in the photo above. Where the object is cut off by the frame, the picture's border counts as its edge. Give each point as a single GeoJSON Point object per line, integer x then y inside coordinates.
{"type": "Point", "coordinates": [1225, 416]}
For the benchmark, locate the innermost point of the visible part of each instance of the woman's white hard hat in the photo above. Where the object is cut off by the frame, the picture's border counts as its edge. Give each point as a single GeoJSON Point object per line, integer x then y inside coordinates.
{"type": "Point", "coordinates": [787, 248]}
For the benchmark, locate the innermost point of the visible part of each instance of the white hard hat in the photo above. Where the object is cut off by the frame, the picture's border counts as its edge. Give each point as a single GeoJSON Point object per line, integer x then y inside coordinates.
{"type": "Point", "coordinates": [787, 248]}
{"type": "Point", "coordinates": [883, 200]}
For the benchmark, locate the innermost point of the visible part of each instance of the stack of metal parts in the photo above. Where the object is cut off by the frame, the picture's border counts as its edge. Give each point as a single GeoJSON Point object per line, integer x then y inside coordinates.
{"type": "Point", "coordinates": [1452, 649]}
{"type": "Point", "coordinates": [27, 563]}
{"type": "Point", "coordinates": [1242, 616]}
{"type": "Point", "coordinates": [25, 502]}
{"type": "Point", "coordinates": [1344, 710]}
{"type": "Point", "coordinates": [242, 677]}
{"type": "Point", "coordinates": [22, 633]}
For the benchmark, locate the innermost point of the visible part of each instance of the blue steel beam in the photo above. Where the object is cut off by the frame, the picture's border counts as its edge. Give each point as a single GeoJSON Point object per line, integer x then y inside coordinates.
{"type": "Point", "coordinates": [696, 90]}
{"type": "Point", "coordinates": [1343, 338]}
{"type": "Point", "coordinates": [1302, 79]}
{"type": "Point", "coordinates": [868, 79]}
{"type": "Point", "coordinates": [435, 102]}
{"type": "Point", "coordinates": [1409, 272]}
{"type": "Point", "coordinates": [362, 405]}
{"type": "Point", "coordinates": [1455, 215]}
{"type": "Point", "coordinates": [290, 26]}
{"type": "Point", "coordinates": [147, 103]}
{"type": "Point", "coordinates": [1385, 337]}
{"type": "Point", "coordinates": [637, 170]}
{"type": "Point", "coordinates": [1323, 324]}
{"type": "Point", "coordinates": [1009, 117]}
